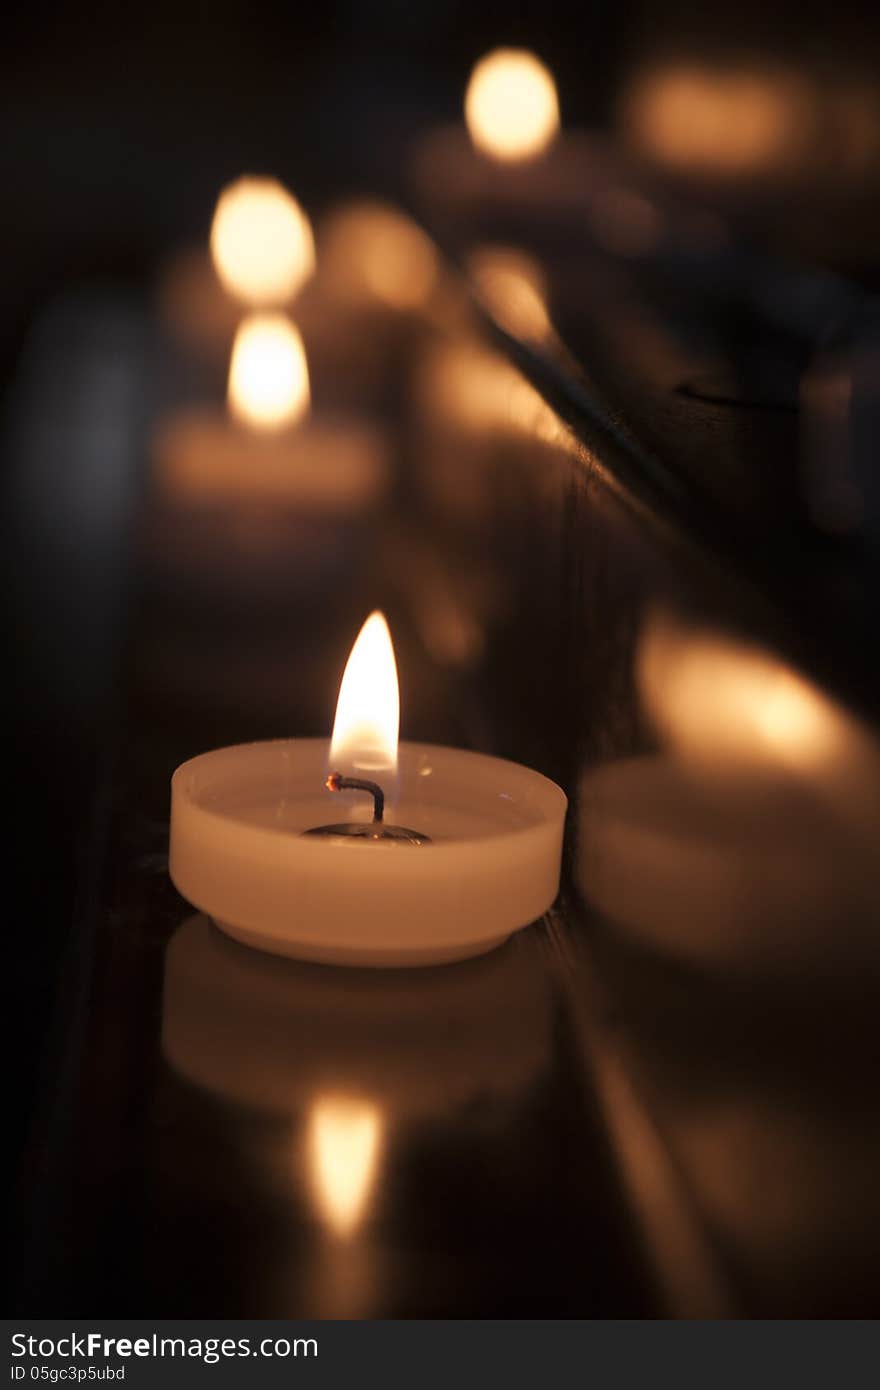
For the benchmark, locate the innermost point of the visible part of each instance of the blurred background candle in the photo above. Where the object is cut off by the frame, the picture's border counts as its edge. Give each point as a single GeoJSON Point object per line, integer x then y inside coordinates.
{"type": "Point", "coordinates": [261, 253]}
{"type": "Point", "coordinates": [509, 164]}
{"type": "Point", "coordinates": [379, 289]}
{"type": "Point", "coordinates": [263, 492]}
{"type": "Point", "coordinates": [759, 139]}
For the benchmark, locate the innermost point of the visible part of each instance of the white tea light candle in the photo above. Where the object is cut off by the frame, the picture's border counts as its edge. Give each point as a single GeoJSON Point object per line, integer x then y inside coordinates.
{"type": "Point", "coordinates": [483, 862]}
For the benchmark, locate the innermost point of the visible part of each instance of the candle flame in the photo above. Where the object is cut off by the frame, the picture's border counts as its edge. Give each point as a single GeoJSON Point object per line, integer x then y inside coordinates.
{"type": "Point", "coordinates": [367, 724]}
{"type": "Point", "coordinates": [726, 121]}
{"type": "Point", "coordinates": [261, 242]}
{"type": "Point", "coordinates": [718, 698]}
{"type": "Point", "coordinates": [511, 107]}
{"type": "Point", "coordinates": [344, 1143]}
{"type": "Point", "coordinates": [268, 373]}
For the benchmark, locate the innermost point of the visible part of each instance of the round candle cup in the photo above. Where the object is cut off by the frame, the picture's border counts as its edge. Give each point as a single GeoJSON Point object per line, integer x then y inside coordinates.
{"type": "Point", "coordinates": [262, 513]}
{"type": "Point", "coordinates": [239, 853]}
{"type": "Point", "coordinates": [460, 190]}
{"type": "Point", "coordinates": [334, 465]}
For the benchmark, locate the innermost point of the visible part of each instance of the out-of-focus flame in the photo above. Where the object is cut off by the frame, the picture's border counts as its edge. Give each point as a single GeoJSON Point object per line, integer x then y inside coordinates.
{"type": "Point", "coordinates": [268, 373]}
{"type": "Point", "coordinates": [718, 120]}
{"type": "Point", "coordinates": [261, 242]}
{"type": "Point", "coordinates": [372, 251]}
{"type": "Point", "coordinates": [720, 700]}
{"type": "Point", "coordinates": [367, 724]}
{"type": "Point", "coordinates": [344, 1145]}
{"type": "Point", "coordinates": [511, 107]}
{"type": "Point", "coordinates": [513, 288]}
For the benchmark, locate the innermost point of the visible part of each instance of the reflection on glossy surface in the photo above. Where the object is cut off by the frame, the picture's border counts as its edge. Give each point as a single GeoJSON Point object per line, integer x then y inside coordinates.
{"type": "Point", "coordinates": [513, 289]}
{"type": "Point", "coordinates": [344, 1146]}
{"type": "Point", "coordinates": [343, 1097]}
{"type": "Point", "coordinates": [477, 390]}
{"type": "Point", "coordinates": [511, 107]}
{"type": "Point", "coordinates": [719, 700]}
{"type": "Point", "coordinates": [768, 1119]}
{"type": "Point", "coordinates": [267, 1033]}
{"type": "Point", "coordinates": [261, 242]}
{"type": "Point", "coordinates": [709, 848]}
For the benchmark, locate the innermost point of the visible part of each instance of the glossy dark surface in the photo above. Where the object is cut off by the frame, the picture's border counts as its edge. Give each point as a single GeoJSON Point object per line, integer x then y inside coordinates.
{"type": "Point", "coordinates": [658, 1101]}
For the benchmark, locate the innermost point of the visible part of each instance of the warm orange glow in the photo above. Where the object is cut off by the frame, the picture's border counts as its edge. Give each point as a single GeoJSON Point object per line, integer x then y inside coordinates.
{"type": "Point", "coordinates": [367, 724]}
{"type": "Point", "coordinates": [723, 120]}
{"type": "Point", "coordinates": [261, 242]}
{"type": "Point", "coordinates": [344, 1145]}
{"type": "Point", "coordinates": [480, 392]}
{"type": "Point", "coordinates": [625, 222]}
{"type": "Point", "coordinates": [513, 288]}
{"type": "Point", "coordinates": [511, 107]}
{"type": "Point", "coordinates": [268, 373]}
{"type": "Point", "coordinates": [718, 699]}
{"type": "Point", "coordinates": [372, 251]}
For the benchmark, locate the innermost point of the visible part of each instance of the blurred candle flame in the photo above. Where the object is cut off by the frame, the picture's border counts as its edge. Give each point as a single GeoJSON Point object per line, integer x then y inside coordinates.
{"type": "Point", "coordinates": [367, 724]}
{"type": "Point", "coordinates": [344, 1144]}
{"type": "Point", "coordinates": [722, 120]}
{"type": "Point", "coordinates": [261, 242]}
{"type": "Point", "coordinates": [718, 699]}
{"type": "Point", "coordinates": [511, 106]}
{"type": "Point", "coordinates": [268, 373]}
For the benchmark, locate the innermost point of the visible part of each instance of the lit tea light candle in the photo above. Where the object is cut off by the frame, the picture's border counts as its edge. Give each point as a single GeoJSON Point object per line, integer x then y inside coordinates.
{"type": "Point", "coordinates": [509, 160]}
{"type": "Point", "coordinates": [511, 106]}
{"type": "Point", "coordinates": [481, 860]}
{"type": "Point", "coordinates": [264, 448]}
{"type": "Point", "coordinates": [261, 255]}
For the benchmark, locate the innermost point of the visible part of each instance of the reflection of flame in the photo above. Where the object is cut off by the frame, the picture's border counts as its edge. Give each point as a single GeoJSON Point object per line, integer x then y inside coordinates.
{"type": "Point", "coordinates": [268, 373]}
{"type": "Point", "coordinates": [371, 251]}
{"type": "Point", "coordinates": [727, 120]}
{"type": "Point", "coordinates": [514, 290]}
{"type": "Point", "coordinates": [261, 242]}
{"type": "Point", "coordinates": [480, 392]}
{"type": "Point", "coordinates": [720, 699]}
{"type": "Point", "coordinates": [511, 107]}
{"type": "Point", "coordinates": [344, 1141]}
{"type": "Point", "coordinates": [366, 728]}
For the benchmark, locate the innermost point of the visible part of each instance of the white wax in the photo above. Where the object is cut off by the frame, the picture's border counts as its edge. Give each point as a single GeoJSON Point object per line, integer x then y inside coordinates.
{"type": "Point", "coordinates": [238, 853]}
{"type": "Point", "coordinates": [456, 183]}
{"type": "Point", "coordinates": [335, 466]}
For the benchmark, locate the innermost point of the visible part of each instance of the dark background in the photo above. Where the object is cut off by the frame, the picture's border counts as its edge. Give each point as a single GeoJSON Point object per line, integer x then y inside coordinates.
{"type": "Point", "coordinates": [120, 123]}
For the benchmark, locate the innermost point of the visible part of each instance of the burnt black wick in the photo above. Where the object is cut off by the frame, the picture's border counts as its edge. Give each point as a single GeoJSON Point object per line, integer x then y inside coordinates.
{"type": "Point", "coordinates": [376, 829]}
{"type": "Point", "coordinates": [337, 783]}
